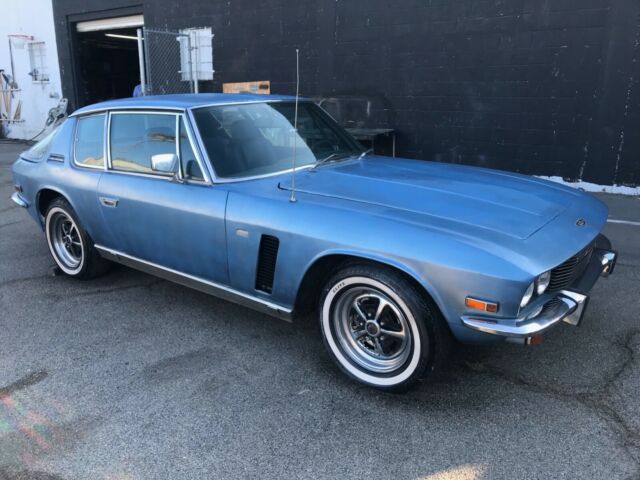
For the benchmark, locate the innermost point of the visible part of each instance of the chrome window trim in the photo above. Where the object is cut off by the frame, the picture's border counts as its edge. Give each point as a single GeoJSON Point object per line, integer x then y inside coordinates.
{"type": "Point", "coordinates": [177, 145]}
{"type": "Point", "coordinates": [137, 174]}
{"type": "Point", "coordinates": [319, 105]}
{"type": "Point", "coordinates": [74, 161]}
{"type": "Point", "coordinates": [151, 111]}
{"type": "Point", "coordinates": [107, 144]}
{"type": "Point", "coordinates": [221, 180]}
{"type": "Point", "coordinates": [94, 111]}
{"type": "Point", "coordinates": [203, 161]}
{"type": "Point", "coordinates": [201, 149]}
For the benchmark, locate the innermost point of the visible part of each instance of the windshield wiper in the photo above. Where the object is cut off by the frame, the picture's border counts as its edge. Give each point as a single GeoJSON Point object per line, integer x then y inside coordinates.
{"type": "Point", "coordinates": [365, 153]}
{"type": "Point", "coordinates": [334, 156]}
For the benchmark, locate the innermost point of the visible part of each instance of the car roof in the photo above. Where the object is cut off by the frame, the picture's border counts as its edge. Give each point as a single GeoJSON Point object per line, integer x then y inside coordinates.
{"type": "Point", "coordinates": [182, 101]}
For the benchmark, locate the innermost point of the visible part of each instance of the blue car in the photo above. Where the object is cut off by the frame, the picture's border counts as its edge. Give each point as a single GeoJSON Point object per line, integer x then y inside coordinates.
{"type": "Point", "coordinates": [399, 257]}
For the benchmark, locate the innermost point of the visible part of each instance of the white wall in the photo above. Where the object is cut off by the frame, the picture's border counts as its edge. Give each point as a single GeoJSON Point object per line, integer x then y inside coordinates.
{"type": "Point", "coordinates": [33, 18]}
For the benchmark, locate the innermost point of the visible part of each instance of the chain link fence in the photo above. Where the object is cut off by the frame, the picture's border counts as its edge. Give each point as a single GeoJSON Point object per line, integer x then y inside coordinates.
{"type": "Point", "coordinates": [174, 62]}
{"type": "Point", "coordinates": [168, 62]}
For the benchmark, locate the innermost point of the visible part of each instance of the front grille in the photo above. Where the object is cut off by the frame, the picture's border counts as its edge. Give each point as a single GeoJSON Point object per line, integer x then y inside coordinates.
{"type": "Point", "coordinates": [566, 273]}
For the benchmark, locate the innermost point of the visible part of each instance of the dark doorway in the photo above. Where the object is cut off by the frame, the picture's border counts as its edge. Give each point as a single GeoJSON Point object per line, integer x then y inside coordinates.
{"type": "Point", "coordinates": [108, 65]}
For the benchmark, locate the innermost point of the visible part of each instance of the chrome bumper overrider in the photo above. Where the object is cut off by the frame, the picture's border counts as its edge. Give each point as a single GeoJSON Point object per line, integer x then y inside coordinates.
{"type": "Point", "coordinates": [18, 200]}
{"type": "Point", "coordinates": [566, 306]}
{"type": "Point", "coordinates": [608, 260]}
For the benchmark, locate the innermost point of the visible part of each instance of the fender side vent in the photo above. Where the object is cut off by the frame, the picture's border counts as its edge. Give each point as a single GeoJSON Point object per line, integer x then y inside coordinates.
{"type": "Point", "coordinates": [267, 257]}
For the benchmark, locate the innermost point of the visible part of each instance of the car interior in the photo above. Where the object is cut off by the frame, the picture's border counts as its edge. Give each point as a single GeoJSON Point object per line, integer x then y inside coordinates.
{"type": "Point", "coordinates": [254, 139]}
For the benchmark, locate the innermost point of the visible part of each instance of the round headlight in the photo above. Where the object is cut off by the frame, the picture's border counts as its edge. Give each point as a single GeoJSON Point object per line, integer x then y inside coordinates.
{"type": "Point", "coordinates": [527, 295]}
{"type": "Point", "coordinates": [542, 282]}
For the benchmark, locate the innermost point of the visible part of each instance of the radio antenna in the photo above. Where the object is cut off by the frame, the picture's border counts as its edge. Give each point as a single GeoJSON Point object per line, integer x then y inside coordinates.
{"type": "Point", "coordinates": [292, 198]}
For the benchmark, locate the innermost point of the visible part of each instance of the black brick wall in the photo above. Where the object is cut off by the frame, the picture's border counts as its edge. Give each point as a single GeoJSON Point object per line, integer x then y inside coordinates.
{"type": "Point", "coordinates": [545, 87]}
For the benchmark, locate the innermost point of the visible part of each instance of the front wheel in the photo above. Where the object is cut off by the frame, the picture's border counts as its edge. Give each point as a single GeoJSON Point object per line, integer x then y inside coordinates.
{"type": "Point", "coordinates": [69, 244]}
{"type": "Point", "coordinates": [379, 328]}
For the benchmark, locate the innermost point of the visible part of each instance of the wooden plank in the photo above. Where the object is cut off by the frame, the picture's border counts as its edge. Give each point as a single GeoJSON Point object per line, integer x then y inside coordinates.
{"type": "Point", "coordinates": [260, 86]}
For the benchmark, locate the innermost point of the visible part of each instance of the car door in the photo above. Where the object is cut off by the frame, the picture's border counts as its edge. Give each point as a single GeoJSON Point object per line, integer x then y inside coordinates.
{"type": "Point", "coordinates": [172, 220]}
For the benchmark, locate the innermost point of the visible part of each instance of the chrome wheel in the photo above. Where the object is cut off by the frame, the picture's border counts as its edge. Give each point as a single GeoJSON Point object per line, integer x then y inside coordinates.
{"type": "Point", "coordinates": [379, 327]}
{"type": "Point", "coordinates": [65, 241]}
{"type": "Point", "coordinates": [372, 329]}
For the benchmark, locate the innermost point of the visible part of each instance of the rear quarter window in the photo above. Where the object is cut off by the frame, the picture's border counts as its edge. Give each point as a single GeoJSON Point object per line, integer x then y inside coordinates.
{"type": "Point", "coordinates": [89, 141]}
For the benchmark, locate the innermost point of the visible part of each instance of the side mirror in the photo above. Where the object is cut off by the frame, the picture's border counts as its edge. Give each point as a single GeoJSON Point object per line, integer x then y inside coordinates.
{"type": "Point", "coordinates": [164, 163]}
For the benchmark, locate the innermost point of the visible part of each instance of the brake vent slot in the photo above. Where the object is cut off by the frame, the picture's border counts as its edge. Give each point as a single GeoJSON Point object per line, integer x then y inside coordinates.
{"type": "Point", "coordinates": [267, 257]}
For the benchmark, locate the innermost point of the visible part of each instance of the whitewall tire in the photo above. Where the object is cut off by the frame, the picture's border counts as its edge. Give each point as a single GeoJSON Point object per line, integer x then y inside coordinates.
{"type": "Point", "coordinates": [378, 327]}
{"type": "Point", "coordinates": [70, 245]}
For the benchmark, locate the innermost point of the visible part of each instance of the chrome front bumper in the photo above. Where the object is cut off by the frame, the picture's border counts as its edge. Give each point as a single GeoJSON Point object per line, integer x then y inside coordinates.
{"type": "Point", "coordinates": [565, 306]}
{"type": "Point", "coordinates": [18, 200]}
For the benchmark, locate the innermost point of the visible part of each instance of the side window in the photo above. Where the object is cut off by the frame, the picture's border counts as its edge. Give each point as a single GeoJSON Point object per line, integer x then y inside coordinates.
{"type": "Point", "coordinates": [89, 147]}
{"type": "Point", "coordinates": [188, 162]}
{"type": "Point", "coordinates": [136, 137]}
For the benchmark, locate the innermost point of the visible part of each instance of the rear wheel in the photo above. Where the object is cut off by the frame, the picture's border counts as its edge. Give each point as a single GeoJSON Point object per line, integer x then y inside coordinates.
{"type": "Point", "coordinates": [69, 244]}
{"type": "Point", "coordinates": [379, 328]}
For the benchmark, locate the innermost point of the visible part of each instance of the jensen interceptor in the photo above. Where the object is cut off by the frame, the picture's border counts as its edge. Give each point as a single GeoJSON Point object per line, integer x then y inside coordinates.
{"type": "Point", "coordinates": [399, 257]}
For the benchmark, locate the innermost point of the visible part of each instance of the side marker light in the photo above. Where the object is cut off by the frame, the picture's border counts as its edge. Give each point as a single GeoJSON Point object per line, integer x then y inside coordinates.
{"type": "Point", "coordinates": [481, 305]}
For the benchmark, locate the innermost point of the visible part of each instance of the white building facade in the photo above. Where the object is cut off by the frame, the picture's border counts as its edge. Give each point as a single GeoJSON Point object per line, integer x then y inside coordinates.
{"type": "Point", "coordinates": [30, 80]}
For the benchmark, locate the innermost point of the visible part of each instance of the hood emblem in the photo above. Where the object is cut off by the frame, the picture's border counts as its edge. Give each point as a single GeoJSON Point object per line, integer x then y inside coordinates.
{"type": "Point", "coordinates": [581, 222]}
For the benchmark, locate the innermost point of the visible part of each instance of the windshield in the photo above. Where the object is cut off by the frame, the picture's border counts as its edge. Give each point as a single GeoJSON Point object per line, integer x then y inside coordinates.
{"type": "Point", "coordinates": [245, 140]}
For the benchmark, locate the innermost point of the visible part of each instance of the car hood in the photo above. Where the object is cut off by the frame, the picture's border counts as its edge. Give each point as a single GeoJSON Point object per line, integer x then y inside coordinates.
{"type": "Point", "coordinates": [502, 202]}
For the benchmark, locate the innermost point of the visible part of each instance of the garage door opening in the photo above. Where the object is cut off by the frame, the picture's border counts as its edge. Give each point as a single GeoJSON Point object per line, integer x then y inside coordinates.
{"type": "Point", "coordinates": [108, 61]}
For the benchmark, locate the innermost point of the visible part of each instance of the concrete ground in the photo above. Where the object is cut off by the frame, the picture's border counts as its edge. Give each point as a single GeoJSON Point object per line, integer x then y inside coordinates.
{"type": "Point", "coordinates": [131, 377]}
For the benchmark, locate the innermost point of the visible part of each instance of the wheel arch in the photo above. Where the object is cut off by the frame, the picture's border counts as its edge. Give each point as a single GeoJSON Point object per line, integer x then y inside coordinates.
{"type": "Point", "coordinates": [45, 196]}
{"type": "Point", "coordinates": [319, 270]}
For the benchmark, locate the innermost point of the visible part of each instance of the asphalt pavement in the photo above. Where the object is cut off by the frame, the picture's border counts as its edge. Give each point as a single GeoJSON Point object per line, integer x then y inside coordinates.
{"type": "Point", "coordinates": [131, 377]}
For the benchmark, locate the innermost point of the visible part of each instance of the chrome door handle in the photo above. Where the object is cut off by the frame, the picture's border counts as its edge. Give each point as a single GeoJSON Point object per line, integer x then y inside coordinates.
{"type": "Point", "coordinates": [109, 202]}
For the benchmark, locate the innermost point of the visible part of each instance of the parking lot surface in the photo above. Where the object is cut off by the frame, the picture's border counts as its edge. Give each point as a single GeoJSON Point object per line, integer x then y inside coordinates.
{"type": "Point", "coordinates": [131, 377]}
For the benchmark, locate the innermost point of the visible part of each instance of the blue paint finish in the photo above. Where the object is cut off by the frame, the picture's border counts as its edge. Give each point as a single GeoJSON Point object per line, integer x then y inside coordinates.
{"type": "Point", "coordinates": [456, 230]}
{"type": "Point", "coordinates": [452, 193]}
{"type": "Point", "coordinates": [180, 226]}
{"type": "Point", "coordinates": [25, 175]}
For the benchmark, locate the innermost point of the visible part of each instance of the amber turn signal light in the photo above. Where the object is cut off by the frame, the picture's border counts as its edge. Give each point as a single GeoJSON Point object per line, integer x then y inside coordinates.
{"type": "Point", "coordinates": [535, 340]}
{"type": "Point", "coordinates": [481, 305]}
